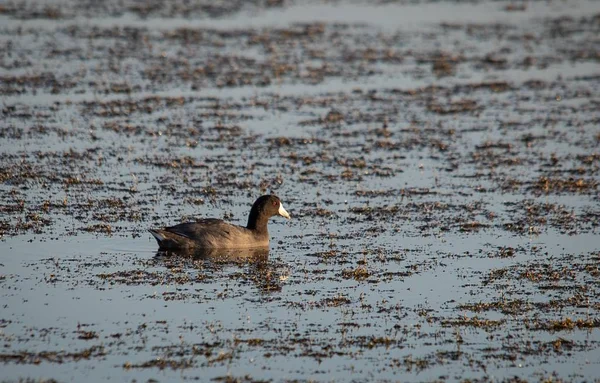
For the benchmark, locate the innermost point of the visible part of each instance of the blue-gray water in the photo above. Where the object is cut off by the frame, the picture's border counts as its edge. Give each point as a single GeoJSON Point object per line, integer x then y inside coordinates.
{"type": "Point", "coordinates": [440, 162]}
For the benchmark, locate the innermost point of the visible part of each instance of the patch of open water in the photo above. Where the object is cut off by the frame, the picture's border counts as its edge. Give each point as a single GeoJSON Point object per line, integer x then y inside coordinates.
{"type": "Point", "coordinates": [441, 169]}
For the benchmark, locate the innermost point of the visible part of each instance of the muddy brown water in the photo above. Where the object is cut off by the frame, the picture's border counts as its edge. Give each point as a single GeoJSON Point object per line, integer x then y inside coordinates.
{"type": "Point", "coordinates": [440, 162]}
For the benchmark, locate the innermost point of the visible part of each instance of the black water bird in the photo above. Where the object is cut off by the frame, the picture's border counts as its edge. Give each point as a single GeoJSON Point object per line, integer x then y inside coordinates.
{"type": "Point", "coordinates": [212, 233]}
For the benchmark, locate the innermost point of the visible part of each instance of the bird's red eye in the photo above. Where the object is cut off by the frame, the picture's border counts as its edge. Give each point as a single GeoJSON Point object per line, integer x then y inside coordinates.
{"type": "Point", "coordinates": [275, 203]}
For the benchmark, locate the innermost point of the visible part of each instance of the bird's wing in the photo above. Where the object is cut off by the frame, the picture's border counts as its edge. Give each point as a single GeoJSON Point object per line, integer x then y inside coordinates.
{"type": "Point", "coordinates": [204, 228]}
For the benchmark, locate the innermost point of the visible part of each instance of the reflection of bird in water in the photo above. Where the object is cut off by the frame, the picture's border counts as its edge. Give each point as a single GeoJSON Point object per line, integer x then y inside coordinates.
{"type": "Point", "coordinates": [211, 233]}
{"type": "Point", "coordinates": [267, 276]}
{"type": "Point", "coordinates": [220, 256]}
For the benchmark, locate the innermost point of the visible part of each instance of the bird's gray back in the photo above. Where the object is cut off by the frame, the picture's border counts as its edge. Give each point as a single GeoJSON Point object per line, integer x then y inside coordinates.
{"type": "Point", "coordinates": [216, 233]}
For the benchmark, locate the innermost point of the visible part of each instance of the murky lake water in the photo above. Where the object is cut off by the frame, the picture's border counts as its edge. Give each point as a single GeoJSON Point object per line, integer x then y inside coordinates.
{"type": "Point", "coordinates": [440, 162]}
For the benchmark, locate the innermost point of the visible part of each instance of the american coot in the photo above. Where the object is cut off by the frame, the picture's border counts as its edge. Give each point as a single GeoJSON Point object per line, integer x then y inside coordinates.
{"type": "Point", "coordinates": [211, 233]}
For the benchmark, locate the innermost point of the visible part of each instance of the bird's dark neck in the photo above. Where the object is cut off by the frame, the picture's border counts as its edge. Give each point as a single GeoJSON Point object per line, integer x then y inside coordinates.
{"type": "Point", "coordinates": [257, 222]}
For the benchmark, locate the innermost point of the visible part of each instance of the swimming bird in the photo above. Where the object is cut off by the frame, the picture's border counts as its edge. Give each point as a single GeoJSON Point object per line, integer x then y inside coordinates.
{"type": "Point", "coordinates": [212, 233]}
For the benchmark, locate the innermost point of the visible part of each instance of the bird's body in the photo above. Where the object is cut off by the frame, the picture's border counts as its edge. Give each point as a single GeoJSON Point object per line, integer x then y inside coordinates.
{"type": "Point", "coordinates": [209, 233]}
{"type": "Point", "coordinates": [212, 233]}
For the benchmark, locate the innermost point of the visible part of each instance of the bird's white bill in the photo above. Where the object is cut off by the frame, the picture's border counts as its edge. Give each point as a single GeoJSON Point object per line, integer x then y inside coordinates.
{"type": "Point", "coordinates": [282, 212]}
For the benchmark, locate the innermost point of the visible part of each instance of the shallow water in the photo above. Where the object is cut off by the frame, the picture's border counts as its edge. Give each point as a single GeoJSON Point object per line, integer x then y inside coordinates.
{"type": "Point", "coordinates": [440, 162]}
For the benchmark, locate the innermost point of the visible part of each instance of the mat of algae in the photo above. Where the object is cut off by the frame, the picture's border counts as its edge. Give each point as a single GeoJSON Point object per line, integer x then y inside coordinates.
{"type": "Point", "coordinates": [440, 161]}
